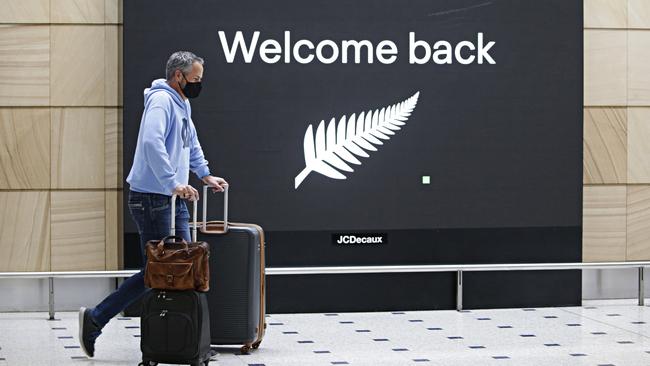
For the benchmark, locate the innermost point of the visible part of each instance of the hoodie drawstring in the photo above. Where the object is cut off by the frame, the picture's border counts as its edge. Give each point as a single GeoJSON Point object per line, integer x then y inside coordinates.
{"type": "Point", "coordinates": [185, 133]}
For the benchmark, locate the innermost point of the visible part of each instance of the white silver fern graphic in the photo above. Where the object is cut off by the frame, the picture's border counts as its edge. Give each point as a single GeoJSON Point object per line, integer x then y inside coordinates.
{"type": "Point", "coordinates": [337, 144]}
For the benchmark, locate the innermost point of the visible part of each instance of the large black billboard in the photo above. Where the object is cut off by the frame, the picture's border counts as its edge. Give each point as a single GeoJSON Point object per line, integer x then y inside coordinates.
{"type": "Point", "coordinates": [451, 129]}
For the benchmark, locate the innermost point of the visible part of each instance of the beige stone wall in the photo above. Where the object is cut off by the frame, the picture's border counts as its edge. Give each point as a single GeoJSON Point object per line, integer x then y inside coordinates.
{"type": "Point", "coordinates": [616, 130]}
{"type": "Point", "coordinates": [60, 133]}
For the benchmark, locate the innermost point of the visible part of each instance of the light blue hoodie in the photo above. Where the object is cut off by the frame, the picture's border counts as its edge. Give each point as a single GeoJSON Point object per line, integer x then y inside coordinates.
{"type": "Point", "coordinates": [162, 160]}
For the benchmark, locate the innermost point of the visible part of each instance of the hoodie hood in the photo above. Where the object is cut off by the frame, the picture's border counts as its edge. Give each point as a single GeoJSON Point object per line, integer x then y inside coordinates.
{"type": "Point", "coordinates": [160, 85]}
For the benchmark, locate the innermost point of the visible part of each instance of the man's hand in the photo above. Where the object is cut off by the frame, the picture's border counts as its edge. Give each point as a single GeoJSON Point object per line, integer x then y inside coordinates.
{"type": "Point", "coordinates": [218, 184]}
{"type": "Point", "coordinates": [187, 192]}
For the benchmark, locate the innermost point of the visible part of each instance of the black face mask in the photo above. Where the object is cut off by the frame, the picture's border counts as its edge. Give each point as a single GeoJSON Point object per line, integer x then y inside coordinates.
{"type": "Point", "coordinates": [191, 90]}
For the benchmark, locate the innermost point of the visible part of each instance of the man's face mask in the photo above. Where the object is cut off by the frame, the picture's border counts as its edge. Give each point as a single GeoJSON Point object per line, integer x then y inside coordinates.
{"type": "Point", "coordinates": [191, 90]}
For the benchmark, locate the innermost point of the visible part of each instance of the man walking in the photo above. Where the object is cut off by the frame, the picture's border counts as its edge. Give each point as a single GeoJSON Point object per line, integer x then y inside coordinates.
{"type": "Point", "coordinates": [167, 149]}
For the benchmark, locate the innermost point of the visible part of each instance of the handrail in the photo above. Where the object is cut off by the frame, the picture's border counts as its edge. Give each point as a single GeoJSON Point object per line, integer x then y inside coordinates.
{"type": "Point", "coordinates": [278, 271]}
{"type": "Point", "coordinates": [452, 268]}
{"type": "Point", "coordinates": [70, 274]}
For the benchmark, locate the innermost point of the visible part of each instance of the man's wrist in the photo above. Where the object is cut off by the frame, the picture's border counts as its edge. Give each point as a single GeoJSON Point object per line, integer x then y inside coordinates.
{"type": "Point", "coordinates": [172, 187]}
{"type": "Point", "coordinates": [202, 172]}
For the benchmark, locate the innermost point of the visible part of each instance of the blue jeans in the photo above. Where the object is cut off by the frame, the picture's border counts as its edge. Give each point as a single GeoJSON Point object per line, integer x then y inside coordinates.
{"type": "Point", "coordinates": [152, 215]}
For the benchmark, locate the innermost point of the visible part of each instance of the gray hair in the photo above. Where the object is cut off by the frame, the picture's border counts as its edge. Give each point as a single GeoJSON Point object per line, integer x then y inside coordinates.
{"type": "Point", "coordinates": [181, 60]}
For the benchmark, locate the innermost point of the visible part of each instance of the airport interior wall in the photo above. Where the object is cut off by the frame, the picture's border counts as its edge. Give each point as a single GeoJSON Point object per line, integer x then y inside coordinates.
{"type": "Point", "coordinates": [61, 182]}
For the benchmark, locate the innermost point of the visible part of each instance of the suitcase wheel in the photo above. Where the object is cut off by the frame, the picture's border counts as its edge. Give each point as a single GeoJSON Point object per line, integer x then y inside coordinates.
{"type": "Point", "coordinates": [256, 345]}
{"type": "Point", "coordinates": [245, 349]}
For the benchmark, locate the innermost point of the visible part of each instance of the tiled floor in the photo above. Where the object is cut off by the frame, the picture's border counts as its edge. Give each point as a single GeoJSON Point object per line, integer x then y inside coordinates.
{"type": "Point", "coordinates": [603, 333]}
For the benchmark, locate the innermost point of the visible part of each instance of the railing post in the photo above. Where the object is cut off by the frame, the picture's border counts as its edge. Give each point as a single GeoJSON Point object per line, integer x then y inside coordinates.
{"type": "Point", "coordinates": [641, 287]}
{"type": "Point", "coordinates": [51, 297]}
{"type": "Point", "coordinates": [459, 290]}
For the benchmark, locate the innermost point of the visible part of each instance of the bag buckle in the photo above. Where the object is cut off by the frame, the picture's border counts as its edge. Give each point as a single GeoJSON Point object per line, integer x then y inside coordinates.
{"type": "Point", "coordinates": [170, 279]}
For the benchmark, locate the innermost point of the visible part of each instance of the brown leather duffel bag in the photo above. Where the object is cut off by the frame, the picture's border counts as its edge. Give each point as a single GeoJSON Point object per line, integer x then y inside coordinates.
{"type": "Point", "coordinates": [174, 264]}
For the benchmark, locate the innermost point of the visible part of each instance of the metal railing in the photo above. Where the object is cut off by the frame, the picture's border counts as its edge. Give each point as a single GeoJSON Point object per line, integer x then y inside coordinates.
{"type": "Point", "coordinates": [285, 271]}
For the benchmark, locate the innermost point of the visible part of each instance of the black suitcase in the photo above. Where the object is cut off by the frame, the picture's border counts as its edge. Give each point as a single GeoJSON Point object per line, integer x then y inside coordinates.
{"type": "Point", "coordinates": [237, 286]}
{"type": "Point", "coordinates": [175, 328]}
{"type": "Point", "coordinates": [175, 325]}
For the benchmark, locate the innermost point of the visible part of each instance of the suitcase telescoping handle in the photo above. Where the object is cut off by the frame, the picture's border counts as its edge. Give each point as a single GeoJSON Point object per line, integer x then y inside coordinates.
{"type": "Point", "coordinates": [172, 231]}
{"type": "Point", "coordinates": [204, 228]}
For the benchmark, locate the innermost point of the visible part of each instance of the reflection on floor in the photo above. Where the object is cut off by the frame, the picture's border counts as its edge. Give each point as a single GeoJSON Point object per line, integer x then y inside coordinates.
{"type": "Point", "coordinates": [599, 333]}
